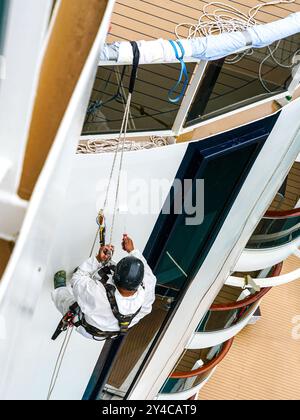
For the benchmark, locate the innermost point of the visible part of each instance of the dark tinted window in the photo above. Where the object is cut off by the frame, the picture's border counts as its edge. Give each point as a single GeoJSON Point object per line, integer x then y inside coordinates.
{"type": "Point", "coordinates": [3, 16]}
{"type": "Point", "coordinates": [229, 86]}
{"type": "Point", "coordinates": [222, 174]}
{"type": "Point", "coordinates": [272, 233]}
{"type": "Point", "coordinates": [151, 110]}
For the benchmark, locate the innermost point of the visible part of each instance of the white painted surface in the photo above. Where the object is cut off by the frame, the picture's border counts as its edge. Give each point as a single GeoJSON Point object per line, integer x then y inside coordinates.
{"type": "Point", "coordinates": [23, 49]}
{"type": "Point", "coordinates": [258, 259]}
{"type": "Point", "coordinates": [211, 339]}
{"type": "Point", "coordinates": [237, 111]}
{"type": "Point", "coordinates": [58, 232]}
{"type": "Point", "coordinates": [265, 178]}
{"type": "Point", "coordinates": [5, 165]}
{"type": "Point", "coordinates": [72, 240]}
{"type": "Point", "coordinates": [12, 212]}
{"type": "Point", "coordinates": [27, 356]}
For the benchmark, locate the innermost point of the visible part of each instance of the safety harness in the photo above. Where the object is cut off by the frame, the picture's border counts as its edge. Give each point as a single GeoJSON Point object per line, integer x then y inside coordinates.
{"type": "Point", "coordinates": [75, 318]}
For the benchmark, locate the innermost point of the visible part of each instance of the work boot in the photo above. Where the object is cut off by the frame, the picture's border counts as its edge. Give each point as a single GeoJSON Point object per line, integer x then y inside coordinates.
{"type": "Point", "coordinates": [60, 279]}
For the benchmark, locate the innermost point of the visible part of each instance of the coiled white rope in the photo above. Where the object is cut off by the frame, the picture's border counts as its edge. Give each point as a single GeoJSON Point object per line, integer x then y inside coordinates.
{"type": "Point", "coordinates": [110, 146]}
{"type": "Point", "coordinates": [225, 18]}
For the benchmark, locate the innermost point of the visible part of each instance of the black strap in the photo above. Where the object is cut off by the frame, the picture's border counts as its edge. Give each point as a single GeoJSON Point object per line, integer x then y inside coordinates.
{"type": "Point", "coordinates": [77, 314]}
{"type": "Point", "coordinates": [105, 272]}
{"type": "Point", "coordinates": [96, 333]}
{"type": "Point", "coordinates": [123, 320]}
{"type": "Point", "coordinates": [135, 65]}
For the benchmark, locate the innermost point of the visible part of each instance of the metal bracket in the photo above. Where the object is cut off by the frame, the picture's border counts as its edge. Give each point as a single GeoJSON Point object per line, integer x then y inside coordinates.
{"type": "Point", "coordinates": [249, 281]}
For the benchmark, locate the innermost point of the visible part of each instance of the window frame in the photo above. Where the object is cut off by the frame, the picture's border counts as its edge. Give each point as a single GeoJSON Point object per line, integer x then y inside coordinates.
{"type": "Point", "coordinates": [187, 102]}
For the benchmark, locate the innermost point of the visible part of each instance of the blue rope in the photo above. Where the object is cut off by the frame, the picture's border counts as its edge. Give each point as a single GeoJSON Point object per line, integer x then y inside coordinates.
{"type": "Point", "coordinates": [183, 73]}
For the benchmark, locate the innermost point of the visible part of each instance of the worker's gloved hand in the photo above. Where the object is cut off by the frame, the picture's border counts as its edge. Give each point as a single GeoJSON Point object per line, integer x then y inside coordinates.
{"type": "Point", "coordinates": [127, 244]}
{"type": "Point", "coordinates": [105, 253]}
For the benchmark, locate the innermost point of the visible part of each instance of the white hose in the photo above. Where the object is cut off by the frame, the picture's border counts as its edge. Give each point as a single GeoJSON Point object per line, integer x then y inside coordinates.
{"type": "Point", "coordinates": [219, 33]}
{"type": "Point", "coordinates": [228, 19]}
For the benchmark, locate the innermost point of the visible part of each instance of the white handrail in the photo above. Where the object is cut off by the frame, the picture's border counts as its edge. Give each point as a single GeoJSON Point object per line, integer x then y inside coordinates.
{"type": "Point", "coordinates": [267, 282]}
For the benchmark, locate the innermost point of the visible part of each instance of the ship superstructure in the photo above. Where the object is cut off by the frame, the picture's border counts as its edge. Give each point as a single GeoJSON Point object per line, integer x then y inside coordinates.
{"type": "Point", "coordinates": [232, 131]}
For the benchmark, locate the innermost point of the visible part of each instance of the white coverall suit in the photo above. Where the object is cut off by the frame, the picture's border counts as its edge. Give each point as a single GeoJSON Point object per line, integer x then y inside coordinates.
{"type": "Point", "coordinates": [90, 294]}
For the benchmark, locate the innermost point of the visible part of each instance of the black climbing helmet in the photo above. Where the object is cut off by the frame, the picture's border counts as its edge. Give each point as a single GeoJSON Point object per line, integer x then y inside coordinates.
{"type": "Point", "coordinates": [129, 273]}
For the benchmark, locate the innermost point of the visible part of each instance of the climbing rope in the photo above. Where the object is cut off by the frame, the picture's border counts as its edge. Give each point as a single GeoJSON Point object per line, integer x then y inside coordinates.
{"type": "Point", "coordinates": [226, 18]}
{"type": "Point", "coordinates": [122, 136]}
{"type": "Point", "coordinates": [120, 82]}
{"type": "Point", "coordinates": [59, 361]}
{"type": "Point", "coordinates": [121, 142]}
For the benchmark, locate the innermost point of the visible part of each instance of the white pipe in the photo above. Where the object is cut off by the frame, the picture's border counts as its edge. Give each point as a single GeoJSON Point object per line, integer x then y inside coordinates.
{"type": "Point", "coordinates": [205, 48]}
{"type": "Point", "coordinates": [267, 282]}
{"type": "Point", "coordinates": [258, 259]}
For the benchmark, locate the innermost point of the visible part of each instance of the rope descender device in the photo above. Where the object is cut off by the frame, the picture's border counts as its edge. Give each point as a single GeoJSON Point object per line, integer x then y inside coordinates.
{"type": "Point", "coordinates": [102, 227]}
{"type": "Point", "coordinates": [102, 230]}
{"type": "Point", "coordinates": [251, 284]}
{"type": "Point", "coordinates": [183, 73]}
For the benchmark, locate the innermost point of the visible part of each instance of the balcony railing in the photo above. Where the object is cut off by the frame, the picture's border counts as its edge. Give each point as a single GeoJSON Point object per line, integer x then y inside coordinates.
{"type": "Point", "coordinates": [277, 228]}
{"type": "Point", "coordinates": [268, 282]}
{"type": "Point", "coordinates": [193, 379]}
{"type": "Point", "coordinates": [226, 315]}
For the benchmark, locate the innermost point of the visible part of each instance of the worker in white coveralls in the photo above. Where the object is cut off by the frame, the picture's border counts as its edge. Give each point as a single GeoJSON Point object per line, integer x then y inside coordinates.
{"type": "Point", "coordinates": [111, 298]}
